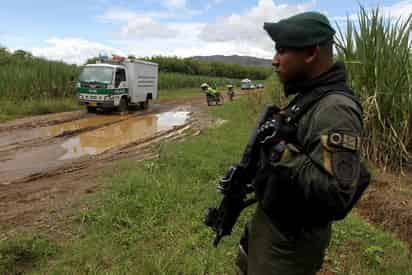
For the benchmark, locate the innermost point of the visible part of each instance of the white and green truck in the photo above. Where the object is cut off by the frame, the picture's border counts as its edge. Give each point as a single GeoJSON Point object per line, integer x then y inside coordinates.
{"type": "Point", "coordinates": [118, 85]}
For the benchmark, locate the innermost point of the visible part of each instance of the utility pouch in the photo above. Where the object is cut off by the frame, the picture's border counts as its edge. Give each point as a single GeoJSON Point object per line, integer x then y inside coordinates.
{"type": "Point", "coordinates": [274, 189]}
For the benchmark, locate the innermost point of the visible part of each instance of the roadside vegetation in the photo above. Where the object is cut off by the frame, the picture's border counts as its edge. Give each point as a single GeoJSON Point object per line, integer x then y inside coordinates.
{"type": "Point", "coordinates": [180, 80]}
{"type": "Point", "coordinates": [377, 51]}
{"type": "Point", "coordinates": [25, 252]}
{"type": "Point", "coordinates": [24, 77]}
{"type": "Point", "coordinates": [10, 110]}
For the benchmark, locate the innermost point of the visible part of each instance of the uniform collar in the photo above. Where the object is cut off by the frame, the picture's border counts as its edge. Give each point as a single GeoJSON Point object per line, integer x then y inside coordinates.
{"type": "Point", "coordinates": [336, 74]}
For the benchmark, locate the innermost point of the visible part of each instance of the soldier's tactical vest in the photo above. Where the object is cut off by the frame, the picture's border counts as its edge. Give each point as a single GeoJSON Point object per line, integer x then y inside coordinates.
{"type": "Point", "coordinates": [292, 216]}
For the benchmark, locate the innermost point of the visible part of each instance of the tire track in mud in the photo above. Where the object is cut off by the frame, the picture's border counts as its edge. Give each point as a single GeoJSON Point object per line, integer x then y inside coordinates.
{"type": "Point", "coordinates": [116, 153]}
{"type": "Point", "coordinates": [42, 120]}
{"type": "Point", "coordinates": [93, 137]}
{"type": "Point", "coordinates": [26, 137]}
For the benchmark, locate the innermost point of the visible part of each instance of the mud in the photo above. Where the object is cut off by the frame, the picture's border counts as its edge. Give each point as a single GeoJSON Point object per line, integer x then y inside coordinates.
{"type": "Point", "coordinates": [54, 153]}
{"type": "Point", "coordinates": [50, 162]}
{"type": "Point", "coordinates": [41, 120]}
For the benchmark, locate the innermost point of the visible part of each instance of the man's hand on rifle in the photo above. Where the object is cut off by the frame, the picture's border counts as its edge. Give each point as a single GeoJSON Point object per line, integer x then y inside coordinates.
{"type": "Point", "coordinates": [268, 130]}
{"type": "Point", "coordinates": [275, 130]}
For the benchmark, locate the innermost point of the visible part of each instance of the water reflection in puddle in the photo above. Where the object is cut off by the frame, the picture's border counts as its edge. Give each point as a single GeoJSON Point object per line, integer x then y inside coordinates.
{"type": "Point", "coordinates": [59, 129]}
{"type": "Point", "coordinates": [24, 135]}
{"type": "Point", "coordinates": [122, 133]}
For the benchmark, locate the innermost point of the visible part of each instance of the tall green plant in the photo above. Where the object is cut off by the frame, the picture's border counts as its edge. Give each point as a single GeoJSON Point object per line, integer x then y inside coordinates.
{"type": "Point", "coordinates": [376, 50]}
{"type": "Point", "coordinates": [24, 77]}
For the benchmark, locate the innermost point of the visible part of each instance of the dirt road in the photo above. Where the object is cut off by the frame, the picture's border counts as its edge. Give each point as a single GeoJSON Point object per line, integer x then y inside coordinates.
{"type": "Point", "coordinates": [48, 162]}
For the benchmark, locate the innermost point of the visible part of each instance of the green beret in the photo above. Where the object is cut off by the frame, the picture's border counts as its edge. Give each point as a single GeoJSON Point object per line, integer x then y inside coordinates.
{"type": "Point", "coordinates": [301, 30]}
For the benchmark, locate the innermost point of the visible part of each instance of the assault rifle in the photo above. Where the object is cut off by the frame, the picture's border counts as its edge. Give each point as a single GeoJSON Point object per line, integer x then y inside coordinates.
{"type": "Point", "coordinates": [237, 183]}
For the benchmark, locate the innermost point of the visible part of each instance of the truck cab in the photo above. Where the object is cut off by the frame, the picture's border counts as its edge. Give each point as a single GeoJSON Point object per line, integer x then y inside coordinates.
{"type": "Point", "coordinates": [117, 86]}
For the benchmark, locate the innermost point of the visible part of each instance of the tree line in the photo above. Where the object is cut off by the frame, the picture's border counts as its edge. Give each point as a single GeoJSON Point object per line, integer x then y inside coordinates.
{"type": "Point", "coordinates": [219, 69]}
{"type": "Point", "coordinates": [190, 66]}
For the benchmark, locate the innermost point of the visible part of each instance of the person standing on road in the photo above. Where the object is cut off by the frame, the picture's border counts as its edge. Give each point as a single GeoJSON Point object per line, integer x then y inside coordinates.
{"type": "Point", "coordinates": [230, 92]}
{"type": "Point", "coordinates": [300, 194]}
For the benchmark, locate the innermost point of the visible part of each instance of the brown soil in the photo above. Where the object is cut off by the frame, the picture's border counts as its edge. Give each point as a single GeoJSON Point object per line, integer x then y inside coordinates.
{"type": "Point", "coordinates": [388, 203]}
{"type": "Point", "coordinates": [40, 199]}
{"type": "Point", "coordinates": [41, 120]}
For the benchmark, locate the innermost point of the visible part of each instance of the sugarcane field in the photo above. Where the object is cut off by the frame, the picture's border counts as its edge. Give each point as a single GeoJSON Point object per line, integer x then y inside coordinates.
{"type": "Point", "coordinates": [206, 137]}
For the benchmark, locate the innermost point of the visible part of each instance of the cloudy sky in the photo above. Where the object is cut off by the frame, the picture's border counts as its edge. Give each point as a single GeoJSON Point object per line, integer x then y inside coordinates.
{"type": "Point", "coordinates": [75, 30]}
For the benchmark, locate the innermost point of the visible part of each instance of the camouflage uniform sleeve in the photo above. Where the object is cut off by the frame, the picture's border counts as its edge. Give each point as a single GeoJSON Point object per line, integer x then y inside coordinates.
{"type": "Point", "coordinates": [331, 163]}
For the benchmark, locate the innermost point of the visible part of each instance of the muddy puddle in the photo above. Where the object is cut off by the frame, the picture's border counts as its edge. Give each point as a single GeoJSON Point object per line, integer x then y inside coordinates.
{"type": "Point", "coordinates": [73, 126]}
{"type": "Point", "coordinates": [120, 134]}
{"type": "Point", "coordinates": [128, 129]}
{"type": "Point", "coordinates": [16, 137]}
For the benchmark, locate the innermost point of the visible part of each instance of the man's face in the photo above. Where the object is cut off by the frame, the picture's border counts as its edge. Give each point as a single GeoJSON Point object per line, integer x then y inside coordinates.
{"type": "Point", "coordinates": [289, 64]}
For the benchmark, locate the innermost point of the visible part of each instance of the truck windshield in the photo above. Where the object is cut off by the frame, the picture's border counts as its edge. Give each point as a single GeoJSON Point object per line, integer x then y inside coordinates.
{"type": "Point", "coordinates": [97, 74]}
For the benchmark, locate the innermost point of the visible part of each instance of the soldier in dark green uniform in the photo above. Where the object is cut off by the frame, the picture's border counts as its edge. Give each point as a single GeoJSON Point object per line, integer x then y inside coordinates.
{"type": "Point", "coordinates": [301, 192]}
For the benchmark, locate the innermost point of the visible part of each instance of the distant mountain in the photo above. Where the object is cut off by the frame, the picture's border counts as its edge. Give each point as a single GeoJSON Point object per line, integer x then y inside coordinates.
{"type": "Point", "coordinates": [236, 59]}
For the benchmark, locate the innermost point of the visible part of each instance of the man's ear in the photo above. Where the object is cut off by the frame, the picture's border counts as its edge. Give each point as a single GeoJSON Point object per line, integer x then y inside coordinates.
{"type": "Point", "coordinates": [311, 54]}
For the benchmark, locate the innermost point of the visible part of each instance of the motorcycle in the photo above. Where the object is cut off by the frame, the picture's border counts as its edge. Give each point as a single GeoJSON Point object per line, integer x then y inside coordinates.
{"type": "Point", "coordinates": [216, 98]}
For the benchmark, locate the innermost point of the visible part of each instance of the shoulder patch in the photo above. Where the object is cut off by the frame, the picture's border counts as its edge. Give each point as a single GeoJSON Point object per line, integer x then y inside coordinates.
{"type": "Point", "coordinates": [339, 151]}
{"type": "Point", "coordinates": [336, 141]}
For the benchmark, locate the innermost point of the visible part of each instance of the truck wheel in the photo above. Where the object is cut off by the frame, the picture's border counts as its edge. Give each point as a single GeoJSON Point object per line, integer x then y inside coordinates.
{"type": "Point", "coordinates": [91, 109]}
{"type": "Point", "coordinates": [122, 105]}
{"type": "Point", "coordinates": [144, 104]}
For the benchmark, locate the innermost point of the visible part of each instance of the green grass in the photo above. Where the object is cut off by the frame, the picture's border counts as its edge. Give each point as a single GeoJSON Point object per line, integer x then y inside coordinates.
{"type": "Point", "coordinates": [11, 110]}
{"type": "Point", "coordinates": [24, 253]}
{"type": "Point", "coordinates": [359, 248]}
{"type": "Point", "coordinates": [149, 219]}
